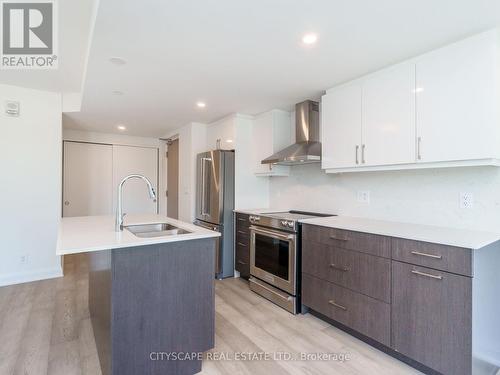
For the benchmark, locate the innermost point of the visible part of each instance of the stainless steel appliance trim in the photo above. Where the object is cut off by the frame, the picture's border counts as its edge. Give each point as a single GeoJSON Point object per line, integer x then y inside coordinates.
{"type": "Point", "coordinates": [286, 285]}
{"type": "Point", "coordinates": [273, 233]}
{"type": "Point", "coordinates": [273, 294]}
{"type": "Point", "coordinates": [215, 228]}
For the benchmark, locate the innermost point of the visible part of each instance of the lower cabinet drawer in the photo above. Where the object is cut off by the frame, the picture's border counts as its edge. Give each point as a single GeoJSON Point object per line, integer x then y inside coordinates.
{"type": "Point", "coordinates": [440, 257]}
{"type": "Point", "coordinates": [363, 273]}
{"type": "Point", "coordinates": [242, 259]}
{"type": "Point", "coordinates": [357, 311]}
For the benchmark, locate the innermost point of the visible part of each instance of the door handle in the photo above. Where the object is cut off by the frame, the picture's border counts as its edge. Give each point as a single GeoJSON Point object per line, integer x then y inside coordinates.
{"type": "Point", "coordinates": [427, 255]}
{"type": "Point", "coordinates": [419, 155]}
{"type": "Point", "coordinates": [425, 274]}
{"type": "Point", "coordinates": [333, 303]}
{"type": "Point", "coordinates": [339, 268]}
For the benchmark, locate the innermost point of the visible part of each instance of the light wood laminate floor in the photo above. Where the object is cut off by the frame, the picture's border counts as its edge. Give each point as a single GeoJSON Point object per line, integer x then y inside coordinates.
{"type": "Point", "coordinates": [45, 329]}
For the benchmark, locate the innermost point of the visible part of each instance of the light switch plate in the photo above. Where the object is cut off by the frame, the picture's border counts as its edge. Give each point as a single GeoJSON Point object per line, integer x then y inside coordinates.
{"type": "Point", "coordinates": [466, 200]}
{"type": "Point", "coordinates": [11, 108]}
{"type": "Point", "coordinates": [364, 196]}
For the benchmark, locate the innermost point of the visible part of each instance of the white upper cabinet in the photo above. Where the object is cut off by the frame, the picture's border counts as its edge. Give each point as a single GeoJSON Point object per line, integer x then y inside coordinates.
{"type": "Point", "coordinates": [388, 130]}
{"type": "Point", "coordinates": [341, 127]}
{"type": "Point", "coordinates": [456, 101]}
{"type": "Point", "coordinates": [271, 133]}
{"type": "Point", "coordinates": [437, 110]}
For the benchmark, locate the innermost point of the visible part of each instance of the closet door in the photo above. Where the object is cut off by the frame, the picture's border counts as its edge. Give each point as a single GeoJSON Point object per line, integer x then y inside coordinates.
{"type": "Point", "coordinates": [135, 160]}
{"type": "Point", "coordinates": [88, 176]}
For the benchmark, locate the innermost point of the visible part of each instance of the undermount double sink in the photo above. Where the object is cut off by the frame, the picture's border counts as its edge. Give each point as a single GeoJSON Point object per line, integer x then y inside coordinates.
{"type": "Point", "coordinates": [155, 230]}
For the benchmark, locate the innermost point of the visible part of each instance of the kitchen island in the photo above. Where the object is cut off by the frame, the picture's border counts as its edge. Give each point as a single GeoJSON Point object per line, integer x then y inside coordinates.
{"type": "Point", "coordinates": [151, 299]}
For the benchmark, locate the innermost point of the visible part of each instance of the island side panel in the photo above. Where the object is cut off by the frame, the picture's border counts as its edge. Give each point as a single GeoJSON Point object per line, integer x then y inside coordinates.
{"type": "Point", "coordinates": [163, 301]}
{"type": "Point", "coordinates": [100, 304]}
{"type": "Point", "coordinates": [486, 310]}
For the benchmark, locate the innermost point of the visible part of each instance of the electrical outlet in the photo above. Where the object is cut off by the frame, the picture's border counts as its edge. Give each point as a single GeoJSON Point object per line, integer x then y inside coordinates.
{"type": "Point", "coordinates": [23, 259]}
{"type": "Point", "coordinates": [466, 200]}
{"type": "Point", "coordinates": [364, 196]}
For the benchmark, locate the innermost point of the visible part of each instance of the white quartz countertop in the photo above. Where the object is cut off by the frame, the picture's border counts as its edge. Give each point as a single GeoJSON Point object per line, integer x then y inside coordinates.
{"type": "Point", "coordinates": [94, 233]}
{"type": "Point", "coordinates": [469, 239]}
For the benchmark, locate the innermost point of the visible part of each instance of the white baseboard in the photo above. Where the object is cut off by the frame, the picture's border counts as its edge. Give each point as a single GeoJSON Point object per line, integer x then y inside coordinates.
{"type": "Point", "coordinates": [26, 277]}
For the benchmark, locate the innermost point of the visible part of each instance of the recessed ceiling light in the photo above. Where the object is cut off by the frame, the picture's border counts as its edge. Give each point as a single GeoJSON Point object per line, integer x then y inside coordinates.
{"type": "Point", "coordinates": [201, 105]}
{"type": "Point", "coordinates": [309, 38]}
{"type": "Point", "coordinates": [117, 61]}
{"type": "Point", "coordinates": [121, 127]}
{"type": "Point", "coordinates": [117, 92]}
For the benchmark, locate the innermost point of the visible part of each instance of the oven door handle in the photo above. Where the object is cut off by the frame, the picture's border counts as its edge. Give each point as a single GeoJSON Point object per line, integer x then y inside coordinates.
{"type": "Point", "coordinates": [272, 233]}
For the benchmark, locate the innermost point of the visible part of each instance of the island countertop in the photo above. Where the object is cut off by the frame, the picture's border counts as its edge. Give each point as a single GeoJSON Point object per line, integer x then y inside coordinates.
{"type": "Point", "coordinates": [95, 233]}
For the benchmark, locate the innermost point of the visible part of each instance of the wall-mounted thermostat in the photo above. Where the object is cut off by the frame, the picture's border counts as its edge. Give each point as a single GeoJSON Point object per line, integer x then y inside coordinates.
{"type": "Point", "coordinates": [11, 108]}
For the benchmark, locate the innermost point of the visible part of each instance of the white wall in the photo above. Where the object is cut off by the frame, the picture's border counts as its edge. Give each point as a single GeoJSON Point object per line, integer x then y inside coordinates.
{"type": "Point", "coordinates": [250, 191]}
{"type": "Point", "coordinates": [30, 182]}
{"type": "Point", "coordinates": [418, 196]}
{"type": "Point", "coordinates": [234, 132]}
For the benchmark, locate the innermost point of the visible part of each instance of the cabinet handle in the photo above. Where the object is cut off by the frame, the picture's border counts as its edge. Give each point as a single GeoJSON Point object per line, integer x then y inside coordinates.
{"type": "Point", "coordinates": [340, 268]}
{"type": "Point", "coordinates": [338, 239]}
{"type": "Point", "coordinates": [427, 255]}
{"type": "Point", "coordinates": [333, 303]}
{"type": "Point", "coordinates": [357, 152]}
{"type": "Point", "coordinates": [241, 262]}
{"type": "Point", "coordinates": [363, 154]}
{"type": "Point", "coordinates": [437, 277]}
{"type": "Point", "coordinates": [419, 141]}
{"type": "Point", "coordinates": [241, 232]}
{"type": "Point", "coordinates": [241, 244]}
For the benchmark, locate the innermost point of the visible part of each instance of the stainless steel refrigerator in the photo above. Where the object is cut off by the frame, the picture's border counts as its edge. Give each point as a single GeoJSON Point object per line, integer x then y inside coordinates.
{"type": "Point", "coordinates": [215, 204]}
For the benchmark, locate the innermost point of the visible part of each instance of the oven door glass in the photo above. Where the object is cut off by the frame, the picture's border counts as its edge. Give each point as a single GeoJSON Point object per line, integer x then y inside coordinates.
{"type": "Point", "coordinates": [272, 255]}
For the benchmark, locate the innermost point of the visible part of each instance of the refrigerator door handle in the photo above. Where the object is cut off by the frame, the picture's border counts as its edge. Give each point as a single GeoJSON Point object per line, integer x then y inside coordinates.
{"type": "Point", "coordinates": [203, 186]}
{"type": "Point", "coordinates": [202, 208]}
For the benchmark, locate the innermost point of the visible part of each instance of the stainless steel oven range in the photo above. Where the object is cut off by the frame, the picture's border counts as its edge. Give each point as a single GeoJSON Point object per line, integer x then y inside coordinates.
{"type": "Point", "coordinates": [275, 257]}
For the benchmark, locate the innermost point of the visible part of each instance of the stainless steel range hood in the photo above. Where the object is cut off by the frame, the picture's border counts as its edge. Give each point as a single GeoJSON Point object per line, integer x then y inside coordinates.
{"type": "Point", "coordinates": [307, 148]}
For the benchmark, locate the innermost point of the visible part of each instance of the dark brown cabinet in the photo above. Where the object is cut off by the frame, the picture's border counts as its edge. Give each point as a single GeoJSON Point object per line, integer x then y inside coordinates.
{"type": "Point", "coordinates": [363, 273]}
{"type": "Point", "coordinates": [242, 245]}
{"type": "Point", "coordinates": [432, 317]}
{"type": "Point", "coordinates": [414, 297]}
{"type": "Point", "coordinates": [357, 311]}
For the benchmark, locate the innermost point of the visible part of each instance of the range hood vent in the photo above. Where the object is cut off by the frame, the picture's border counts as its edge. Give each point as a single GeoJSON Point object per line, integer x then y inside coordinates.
{"type": "Point", "coordinates": [307, 147]}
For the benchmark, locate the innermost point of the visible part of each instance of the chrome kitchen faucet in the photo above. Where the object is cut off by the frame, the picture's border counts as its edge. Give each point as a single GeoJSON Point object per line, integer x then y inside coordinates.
{"type": "Point", "coordinates": [119, 207]}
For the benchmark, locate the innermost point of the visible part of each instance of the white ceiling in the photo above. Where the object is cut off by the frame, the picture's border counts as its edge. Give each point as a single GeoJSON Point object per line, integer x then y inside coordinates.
{"type": "Point", "coordinates": [75, 23]}
{"type": "Point", "coordinates": [246, 56]}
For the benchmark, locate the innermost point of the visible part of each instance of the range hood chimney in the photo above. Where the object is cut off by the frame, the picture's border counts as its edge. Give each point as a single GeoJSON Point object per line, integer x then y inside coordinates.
{"type": "Point", "coordinates": [307, 148]}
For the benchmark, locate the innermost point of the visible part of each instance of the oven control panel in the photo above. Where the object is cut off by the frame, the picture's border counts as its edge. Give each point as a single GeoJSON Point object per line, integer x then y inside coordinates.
{"type": "Point", "coordinates": [287, 224]}
{"type": "Point", "coordinates": [272, 222]}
